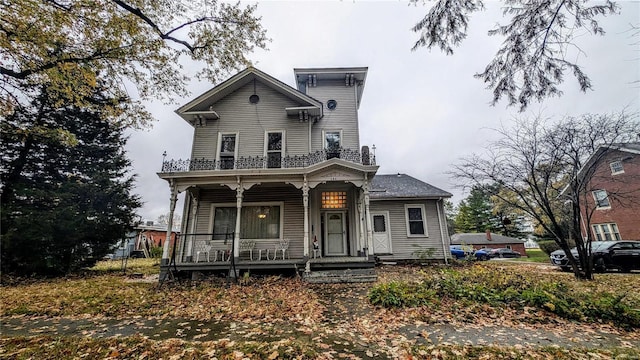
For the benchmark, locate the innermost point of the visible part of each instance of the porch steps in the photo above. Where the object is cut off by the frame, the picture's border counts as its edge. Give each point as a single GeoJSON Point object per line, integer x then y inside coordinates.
{"type": "Point", "coordinates": [341, 276]}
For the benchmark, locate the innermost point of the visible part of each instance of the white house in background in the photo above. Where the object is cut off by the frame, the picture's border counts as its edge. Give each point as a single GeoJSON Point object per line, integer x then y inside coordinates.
{"type": "Point", "coordinates": [278, 180]}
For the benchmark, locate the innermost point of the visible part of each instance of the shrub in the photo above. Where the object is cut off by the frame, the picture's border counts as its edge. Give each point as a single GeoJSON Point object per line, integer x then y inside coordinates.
{"type": "Point", "coordinates": [548, 246]}
{"type": "Point", "coordinates": [401, 294]}
{"type": "Point", "coordinates": [484, 284]}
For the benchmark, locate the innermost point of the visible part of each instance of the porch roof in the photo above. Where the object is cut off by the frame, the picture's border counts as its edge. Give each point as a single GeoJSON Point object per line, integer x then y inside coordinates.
{"type": "Point", "coordinates": [385, 187]}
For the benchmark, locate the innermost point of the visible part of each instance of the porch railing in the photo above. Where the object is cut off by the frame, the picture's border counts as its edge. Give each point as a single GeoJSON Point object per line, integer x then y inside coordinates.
{"type": "Point", "coordinates": [211, 248]}
{"type": "Point", "coordinates": [269, 162]}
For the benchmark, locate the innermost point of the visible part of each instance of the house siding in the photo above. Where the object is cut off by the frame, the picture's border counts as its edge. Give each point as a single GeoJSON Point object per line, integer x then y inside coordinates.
{"type": "Point", "coordinates": [251, 121]}
{"type": "Point", "coordinates": [344, 117]}
{"type": "Point", "coordinates": [293, 212]}
{"type": "Point", "coordinates": [402, 245]}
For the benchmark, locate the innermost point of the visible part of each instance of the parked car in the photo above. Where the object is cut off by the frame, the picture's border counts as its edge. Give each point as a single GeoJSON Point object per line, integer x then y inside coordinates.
{"type": "Point", "coordinates": [607, 255]}
{"type": "Point", "coordinates": [457, 252]}
{"type": "Point", "coordinates": [461, 252]}
{"type": "Point", "coordinates": [503, 253]}
{"type": "Point", "coordinates": [481, 254]}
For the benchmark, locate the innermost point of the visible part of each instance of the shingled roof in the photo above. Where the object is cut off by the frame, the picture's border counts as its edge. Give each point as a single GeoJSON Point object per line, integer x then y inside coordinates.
{"type": "Point", "coordinates": [402, 186]}
{"type": "Point", "coordinates": [481, 239]}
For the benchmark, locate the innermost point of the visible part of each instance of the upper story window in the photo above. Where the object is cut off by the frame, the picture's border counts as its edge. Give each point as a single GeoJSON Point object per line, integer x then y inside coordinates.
{"type": "Point", "coordinates": [274, 149]}
{"type": "Point", "coordinates": [416, 220]}
{"type": "Point", "coordinates": [333, 143]}
{"type": "Point", "coordinates": [616, 167]}
{"type": "Point", "coordinates": [601, 198]}
{"type": "Point", "coordinates": [227, 150]}
{"type": "Point", "coordinates": [606, 232]}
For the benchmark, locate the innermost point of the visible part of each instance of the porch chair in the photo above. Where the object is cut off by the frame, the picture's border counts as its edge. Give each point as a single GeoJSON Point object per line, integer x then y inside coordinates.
{"type": "Point", "coordinates": [248, 245]}
{"type": "Point", "coordinates": [283, 246]}
{"type": "Point", "coordinates": [205, 249]}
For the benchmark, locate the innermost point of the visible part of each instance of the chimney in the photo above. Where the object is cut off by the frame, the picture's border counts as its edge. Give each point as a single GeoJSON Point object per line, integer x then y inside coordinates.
{"type": "Point", "coordinates": [488, 235]}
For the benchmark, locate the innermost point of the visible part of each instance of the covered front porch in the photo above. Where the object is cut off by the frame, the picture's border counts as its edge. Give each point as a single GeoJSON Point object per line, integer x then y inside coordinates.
{"type": "Point", "coordinates": [308, 221]}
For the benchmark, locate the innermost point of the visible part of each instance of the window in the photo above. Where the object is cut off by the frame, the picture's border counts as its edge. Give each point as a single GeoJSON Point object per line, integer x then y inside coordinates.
{"type": "Point", "coordinates": [332, 144]}
{"type": "Point", "coordinates": [616, 167]}
{"type": "Point", "coordinates": [227, 150]}
{"type": "Point", "coordinates": [606, 232]}
{"type": "Point", "coordinates": [334, 199]}
{"type": "Point", "coordinates": [258, 221]}
{"type": "Point", "coordinates": [274, 146]}
{"type": "Point", "coordinates": [379, 225]}
{"type": "Point", "coordinates": [416, 222]}
{"type": "Point", "coordinates": [601, 198]}
{"type": "Point", "coordinates": [224, 223]}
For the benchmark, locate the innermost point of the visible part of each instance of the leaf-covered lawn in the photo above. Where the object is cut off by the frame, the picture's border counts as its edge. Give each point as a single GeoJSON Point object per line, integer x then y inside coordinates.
{"type": "Point", "coordinates": [275, 317]}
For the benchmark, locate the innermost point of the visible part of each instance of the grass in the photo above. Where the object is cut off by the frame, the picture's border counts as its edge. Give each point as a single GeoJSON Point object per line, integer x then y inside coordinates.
{"type": "Point", "coordinates": [143, 266]}
{"type": "Point", "coordinates": [535, 255]}
{"type": "Point", "coordinates": [265, 306]}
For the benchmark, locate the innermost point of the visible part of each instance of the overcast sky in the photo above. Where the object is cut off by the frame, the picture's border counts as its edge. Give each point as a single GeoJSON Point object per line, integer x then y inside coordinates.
{"type": "Point", "coordinates": [423, 110]}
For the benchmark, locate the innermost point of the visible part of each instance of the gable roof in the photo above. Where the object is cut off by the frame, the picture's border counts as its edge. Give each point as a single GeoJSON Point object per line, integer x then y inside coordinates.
{"type": "Point", "coordinates": [402, 186]}
{"type": "Point", "coordinates": [194, 108]}
{"type": "Point", "coordinates": [481, 239]}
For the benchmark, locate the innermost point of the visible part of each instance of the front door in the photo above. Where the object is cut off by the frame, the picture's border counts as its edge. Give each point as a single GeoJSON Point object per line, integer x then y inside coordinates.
{"type": "Point", "coordinates": [381, 237]}
{"type": "Point", "coordinates": [336, 234]}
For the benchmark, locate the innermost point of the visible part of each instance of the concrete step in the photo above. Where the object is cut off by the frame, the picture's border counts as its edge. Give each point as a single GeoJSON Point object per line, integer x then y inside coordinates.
{"type": "Point", "coordinates": [341, 276]}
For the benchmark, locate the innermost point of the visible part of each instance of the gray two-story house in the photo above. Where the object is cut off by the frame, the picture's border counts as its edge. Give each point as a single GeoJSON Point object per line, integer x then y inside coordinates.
{"type": "Point", "coordinates": [278, 179]}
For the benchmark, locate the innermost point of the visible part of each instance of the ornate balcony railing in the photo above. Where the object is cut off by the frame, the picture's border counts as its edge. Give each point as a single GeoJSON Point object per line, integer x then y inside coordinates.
{"type": "Point", "coordinates": [269, 162]}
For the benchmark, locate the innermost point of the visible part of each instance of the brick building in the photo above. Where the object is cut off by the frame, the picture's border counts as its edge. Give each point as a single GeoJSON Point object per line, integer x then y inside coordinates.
{"type": "Point", "coordinates": [612, 198]}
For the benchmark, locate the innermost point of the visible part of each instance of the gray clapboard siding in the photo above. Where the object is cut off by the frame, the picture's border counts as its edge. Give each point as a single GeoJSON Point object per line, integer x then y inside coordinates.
{"type": "Point", "coordinates": [403, 246]}
{"type": "Point", "coordinates": [293, 222]}
{"type": "Point", "coordinates": [344, 117]}
{"type": "Point", "coordinates": [251, 121]}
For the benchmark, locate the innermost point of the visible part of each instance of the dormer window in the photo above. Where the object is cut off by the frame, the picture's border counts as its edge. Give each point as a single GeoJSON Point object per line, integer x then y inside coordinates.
{"type": "Point", "coordinates": [616, 167]}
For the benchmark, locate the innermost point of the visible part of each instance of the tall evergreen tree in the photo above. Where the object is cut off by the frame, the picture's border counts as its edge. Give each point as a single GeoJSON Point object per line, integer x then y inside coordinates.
{"type": "Point", "coordinates": [474, 213]}
{"type": "Point", "coordinates": [71, 200]}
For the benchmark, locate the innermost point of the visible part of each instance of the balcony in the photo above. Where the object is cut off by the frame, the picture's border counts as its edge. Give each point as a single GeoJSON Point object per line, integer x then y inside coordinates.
{"type": "Point", "coordinates": [269, 162]}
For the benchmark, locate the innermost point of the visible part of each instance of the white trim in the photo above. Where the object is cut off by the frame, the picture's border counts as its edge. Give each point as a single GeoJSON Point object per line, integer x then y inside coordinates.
{"type": "Point", "coordinates": [236, 147]}
{"type": "Point", "coordinates": [249, 204]}
{"type": "Point", "coordinates": [596, 227]}
{"type": "Point", "coordinates": [387, 218]}
{"type": "Point", "coordinates": [424, 220]}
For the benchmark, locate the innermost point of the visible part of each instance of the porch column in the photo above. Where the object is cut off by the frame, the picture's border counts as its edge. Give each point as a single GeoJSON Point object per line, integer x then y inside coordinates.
{"type": "Point", "coordinates": [236, 235]}
{"type": "Point", "coordinates": [172, 208]}
{"type": "Point", "coordinates": [368, 218]}
{"type": "Point", "coordinates": [194, 221]}
{"type": "Point", "coordinates": [305, 202]}
{"type": "Point", "coordinates": [361, 220]}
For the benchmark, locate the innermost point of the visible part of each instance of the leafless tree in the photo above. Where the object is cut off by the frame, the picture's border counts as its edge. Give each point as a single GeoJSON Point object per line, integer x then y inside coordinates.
{"type": "Point", "coordinates": [546, 169]}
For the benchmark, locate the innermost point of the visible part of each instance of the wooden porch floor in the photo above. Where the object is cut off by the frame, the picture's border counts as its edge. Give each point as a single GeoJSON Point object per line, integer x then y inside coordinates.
{"type": "Point", "coordinates": [344, 262]}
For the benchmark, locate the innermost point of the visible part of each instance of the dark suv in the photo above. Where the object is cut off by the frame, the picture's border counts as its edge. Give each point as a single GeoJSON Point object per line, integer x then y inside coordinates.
{"type": "Point", "coordinates": [621, 255]}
